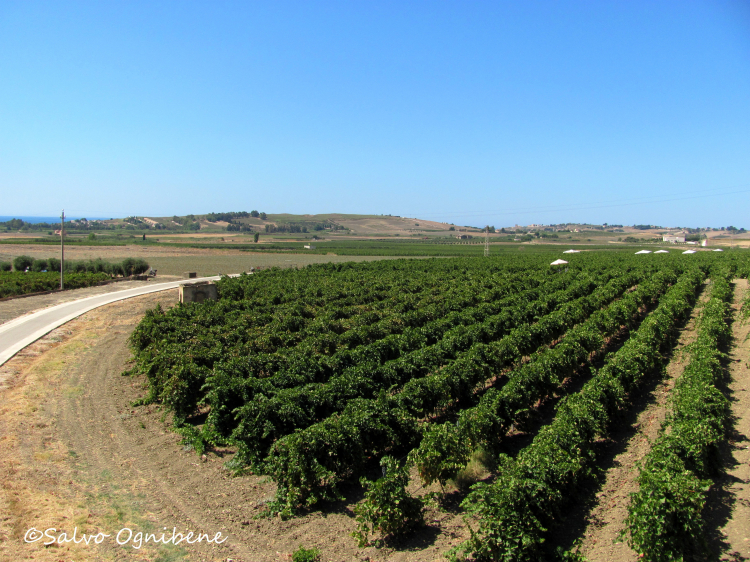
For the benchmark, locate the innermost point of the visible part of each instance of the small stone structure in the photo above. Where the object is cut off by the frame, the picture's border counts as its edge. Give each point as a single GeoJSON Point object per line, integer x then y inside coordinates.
{"type": "Point", "coordinates": [189, 275]}
{"type": "Point", "coordinates": [198, 292]}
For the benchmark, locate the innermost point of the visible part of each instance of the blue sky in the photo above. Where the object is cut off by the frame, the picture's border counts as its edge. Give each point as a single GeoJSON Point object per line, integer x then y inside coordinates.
{"type": "Point", "coordinates": [465, 112]}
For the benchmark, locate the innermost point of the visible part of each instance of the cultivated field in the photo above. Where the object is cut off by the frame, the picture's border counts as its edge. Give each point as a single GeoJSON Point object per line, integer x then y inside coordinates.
{"type": "Point", "coordinates": [439, 365]}
{"type": "Point", "coordinates": [173, 261]}
{"type": "Point", "coordinates": [500, 394]}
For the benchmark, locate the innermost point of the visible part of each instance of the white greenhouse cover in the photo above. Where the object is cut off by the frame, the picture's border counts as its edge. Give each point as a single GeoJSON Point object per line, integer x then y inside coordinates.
{"type": "Point", "coordinates": [572, 252]}
{"type": "Point", "coordinates": [644, 252]}
{"type": "Point", "coordinates": [661, 252]}
{"type": "Point", "coordinates": [558, 262]}
{"type": "Point", "coordinates": [717, 250]}
{"type": "Point", "coordinates": [689, 252]}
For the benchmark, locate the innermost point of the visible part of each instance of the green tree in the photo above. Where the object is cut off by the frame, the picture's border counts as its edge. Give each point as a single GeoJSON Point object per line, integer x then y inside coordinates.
{"type": "Point", "coordinates": [254, 214]}
{"type": "Point", "coordinates": [22, 262]}
{"type": "Point", "coordinates": [263, 216]}
{"type": "Point", "coordinates": [256, 236]}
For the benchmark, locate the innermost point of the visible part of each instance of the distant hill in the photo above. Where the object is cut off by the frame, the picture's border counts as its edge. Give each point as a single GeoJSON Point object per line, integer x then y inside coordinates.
{"type": "Point", "coordinates": [354, 225]}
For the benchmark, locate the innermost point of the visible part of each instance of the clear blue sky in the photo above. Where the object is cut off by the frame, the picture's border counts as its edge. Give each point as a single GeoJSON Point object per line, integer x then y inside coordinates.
{"type": "Point", "coordinates": [468, 112]}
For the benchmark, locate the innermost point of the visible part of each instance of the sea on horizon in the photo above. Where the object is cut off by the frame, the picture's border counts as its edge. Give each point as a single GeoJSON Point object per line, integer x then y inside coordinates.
{"type": "Point", "coordinates": [51, 220]}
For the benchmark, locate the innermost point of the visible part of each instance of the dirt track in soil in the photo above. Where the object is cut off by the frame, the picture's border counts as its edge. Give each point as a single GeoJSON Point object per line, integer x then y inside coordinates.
{"type": "Point", "coordinates": [75, 454]}
{"type": "Point", "coordinates": [728, 505]}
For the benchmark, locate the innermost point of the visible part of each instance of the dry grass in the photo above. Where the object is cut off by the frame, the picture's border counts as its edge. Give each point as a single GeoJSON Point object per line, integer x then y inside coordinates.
{"type": "Point", "coordinates": [479, 467]}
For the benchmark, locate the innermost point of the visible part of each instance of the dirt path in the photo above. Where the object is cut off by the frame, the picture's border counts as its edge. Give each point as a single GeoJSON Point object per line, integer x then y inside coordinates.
{"type": "Point", "coordinates": [605, 519]}
{"type": "Point", "coordinates": [73, 453]}
{"type": "Point", "coordinates": [728, 505]}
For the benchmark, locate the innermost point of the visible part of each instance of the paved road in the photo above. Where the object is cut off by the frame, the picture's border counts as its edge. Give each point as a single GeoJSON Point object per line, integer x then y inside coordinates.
{"type": "Point", "coordinates": [24, 330]}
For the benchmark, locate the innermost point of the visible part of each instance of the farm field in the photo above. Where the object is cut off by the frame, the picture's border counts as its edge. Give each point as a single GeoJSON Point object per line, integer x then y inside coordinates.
{"type": "Point", "coordinates": [504, 373]}
{"type": "Point", "coordinates": [174, 261]}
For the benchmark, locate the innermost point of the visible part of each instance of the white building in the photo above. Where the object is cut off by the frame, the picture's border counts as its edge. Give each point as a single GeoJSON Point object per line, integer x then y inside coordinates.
{"type": "Point", "coordinates": [673, 239]}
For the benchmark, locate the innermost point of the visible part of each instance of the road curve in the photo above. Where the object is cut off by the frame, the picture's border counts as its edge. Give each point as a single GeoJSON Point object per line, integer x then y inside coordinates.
{"type": "Point", "coordinates": [24, 330]}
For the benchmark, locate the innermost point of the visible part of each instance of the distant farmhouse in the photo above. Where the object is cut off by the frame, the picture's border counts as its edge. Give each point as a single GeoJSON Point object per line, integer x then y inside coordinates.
{"type": "Point", "coordinates": [673, 239]}
{"type": "Point", "coordinates": [464, 236]}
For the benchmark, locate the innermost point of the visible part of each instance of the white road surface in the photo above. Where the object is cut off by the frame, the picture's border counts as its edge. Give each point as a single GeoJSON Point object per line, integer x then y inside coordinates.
{"type": "Point", "coordinates": [24, 330]}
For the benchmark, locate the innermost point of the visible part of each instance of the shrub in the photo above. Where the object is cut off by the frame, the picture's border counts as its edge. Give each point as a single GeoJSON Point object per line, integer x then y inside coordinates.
{"type": "Point", "coordinates": [97, 266]}
{"type": "Point", "coordinates": [115, 269]}
{"type": "Point", "coordinates": [387, 506]}
{"type": "Point", "coordinates": [39, 266]}
{"type": "Point", "coordinates": [5, 266]}
{"type": "Point", "coordinates": [141, 266]}
{"type": "Point", "coordinates": [22, 262]}
{"type": "Point", "coordinates": [53, 264]}
{"type": "Point", "coordinates": [306, 555]}
{"type": "Point", "coordinates": [134, 266]}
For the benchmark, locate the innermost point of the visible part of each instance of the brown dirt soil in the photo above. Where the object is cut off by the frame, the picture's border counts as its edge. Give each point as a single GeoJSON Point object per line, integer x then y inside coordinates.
{"type": "Point", "coordinates": [74, 453]}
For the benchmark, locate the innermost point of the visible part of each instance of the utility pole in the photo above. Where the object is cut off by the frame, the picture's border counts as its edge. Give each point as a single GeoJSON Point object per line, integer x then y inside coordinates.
{"type": "Point", "coordinates": [486, 241]}
{"type": "Point", "coordinates": [62, 248]}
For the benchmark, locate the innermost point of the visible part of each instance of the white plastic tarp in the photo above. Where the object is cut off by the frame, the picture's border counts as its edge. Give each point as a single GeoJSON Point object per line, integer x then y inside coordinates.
{"type": "Point", "coordinates": [689, 252]}
{"type": "Point", "coordinates": [572, 252]}
{"type": "Point", "coordinates": [644, 252]}
{"type": "Point", "coordinates": [661, 252]}
{"type": "Point", "coordinates": [558, 262]}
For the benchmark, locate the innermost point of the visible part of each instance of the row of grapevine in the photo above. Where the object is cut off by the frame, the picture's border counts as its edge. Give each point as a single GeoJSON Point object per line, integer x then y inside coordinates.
{"type": "Point", "coordinates": [308, 464]}
{"type": "Point", "coordinates": [19, 283]}
{"type": "Point", "coordinates": [446, 448]}
{"type": "Point", "coordinates": [665, 519]}
{"type": "Point", "coordinates": [530, 491]}
{"type": "Point", "coordinates": [299, 320]}
{"type": "Point", "coordinates": [230, 387]}
{"type": "Point", "coordinates": [178, 349]}
{"type": "Point", "coordinates": [262, 422]}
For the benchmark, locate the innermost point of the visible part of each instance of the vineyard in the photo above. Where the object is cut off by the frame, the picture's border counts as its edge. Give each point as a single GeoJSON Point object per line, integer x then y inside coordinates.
{"type": "Point", "coordinates": [38, 275]}
{"type": "Point", "coordinates": [321, 376]}
{"type": "Point", "coordinates": [19, 283]}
